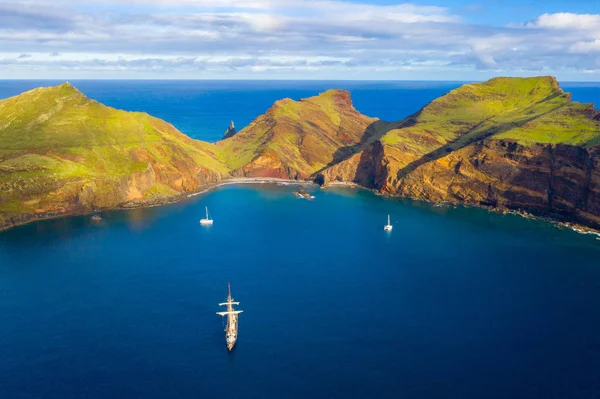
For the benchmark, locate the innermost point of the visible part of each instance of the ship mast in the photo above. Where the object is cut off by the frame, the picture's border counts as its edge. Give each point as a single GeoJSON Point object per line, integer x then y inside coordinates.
{"type": "Point", "coordinates": [229, 304]}
{"type": "Point", "coordinates": [229, 300]}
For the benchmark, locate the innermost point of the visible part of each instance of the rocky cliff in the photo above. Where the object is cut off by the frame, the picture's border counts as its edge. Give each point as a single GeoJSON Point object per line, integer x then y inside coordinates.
{"type": "Point", "coordinates": [510, 143]}
{"type": "Point", "coordinates": [295, 139]}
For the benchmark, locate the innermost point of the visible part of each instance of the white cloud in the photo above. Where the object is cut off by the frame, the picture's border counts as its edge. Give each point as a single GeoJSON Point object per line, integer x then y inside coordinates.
{"type": "Point", "coordinates": [567, 20]}
{"type": "Point", "coordinates": [244, 36]}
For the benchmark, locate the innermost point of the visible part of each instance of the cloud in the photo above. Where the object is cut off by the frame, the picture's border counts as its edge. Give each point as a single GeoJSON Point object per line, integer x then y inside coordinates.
{"type": "Point", "coordinates": [572, 34]}
{"type": "Point", "coordinates": [567, 20]}
{"type": "Point", "coordinates": [329, 37]}
{"type": "Point", "coordinates": [40, 17]}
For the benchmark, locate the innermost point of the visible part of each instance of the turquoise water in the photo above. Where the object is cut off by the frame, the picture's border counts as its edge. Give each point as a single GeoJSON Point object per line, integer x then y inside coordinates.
{"type": "Point", "coordinates": [454, 303]}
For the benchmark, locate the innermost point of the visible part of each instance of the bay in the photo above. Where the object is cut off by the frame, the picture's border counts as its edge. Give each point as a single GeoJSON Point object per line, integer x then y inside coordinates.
{"type": "Point", "coordinates": [454, 303]}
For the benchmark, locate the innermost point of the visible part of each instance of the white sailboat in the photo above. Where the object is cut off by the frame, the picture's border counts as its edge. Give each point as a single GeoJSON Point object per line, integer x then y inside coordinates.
{"type": "Point", "coordinates": [388, 227]}
{"type": "Point", "coordinates": [208, 221]}
{"type": "Point", "coordinates": [231, 329]}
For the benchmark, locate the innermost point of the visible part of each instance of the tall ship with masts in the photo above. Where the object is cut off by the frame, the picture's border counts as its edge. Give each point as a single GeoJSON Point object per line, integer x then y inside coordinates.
{"type": "Point", "coordinates": [231, 329]}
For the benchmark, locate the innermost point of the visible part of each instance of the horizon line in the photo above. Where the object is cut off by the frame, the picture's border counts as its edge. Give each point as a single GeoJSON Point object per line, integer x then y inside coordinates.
{"type": "Point", "coordinates": [282, 80]}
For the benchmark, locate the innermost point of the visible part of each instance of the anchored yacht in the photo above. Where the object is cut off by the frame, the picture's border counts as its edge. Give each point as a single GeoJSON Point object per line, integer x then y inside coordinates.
{"type": "Point", "coordinates": [388, 227]}
{"type": "Point", "coordinates": [208, 220]}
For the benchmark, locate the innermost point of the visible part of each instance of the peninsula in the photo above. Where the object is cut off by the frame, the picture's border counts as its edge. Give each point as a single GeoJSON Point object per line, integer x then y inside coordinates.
{"type": "Point", "coordinates": [513, 143]}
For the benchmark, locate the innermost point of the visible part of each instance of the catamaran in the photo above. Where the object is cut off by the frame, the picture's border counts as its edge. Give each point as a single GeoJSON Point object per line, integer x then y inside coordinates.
{"type": "Point", "coordinates": [231, 329]}
{"type": "Point", "coordinates": [208, 220]}
{"type": "Point", "coordinates": [388, 227]}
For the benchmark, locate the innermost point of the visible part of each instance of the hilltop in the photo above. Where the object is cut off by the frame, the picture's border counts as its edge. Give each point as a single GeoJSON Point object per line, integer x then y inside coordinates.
{"type": "Point", "coordinates": [517, 143]}
{"type": "Point", "coordinates": [295, 139]}
{"type": "Point", "coordinates": [62, 153]}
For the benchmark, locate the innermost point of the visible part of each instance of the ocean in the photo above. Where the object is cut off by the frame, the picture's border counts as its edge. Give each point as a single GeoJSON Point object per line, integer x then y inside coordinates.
{"type": "Point", "coordinates": [455, 302]}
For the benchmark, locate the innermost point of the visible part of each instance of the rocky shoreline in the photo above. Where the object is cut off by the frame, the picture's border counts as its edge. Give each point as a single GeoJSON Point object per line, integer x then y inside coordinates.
{"type": "Point", "coordinates": [581, 229]}
{"type": "Point", "coordinates": [539, 154]}
{"type": "Point", "coordinates": [154, 202]}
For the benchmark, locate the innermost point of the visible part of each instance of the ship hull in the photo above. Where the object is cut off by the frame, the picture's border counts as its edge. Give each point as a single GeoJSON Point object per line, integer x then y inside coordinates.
{"type": "Point", "coordinates": [230, 345]}
{"type": "Point", "coordinates": [231, 329]}
{"type": "Point", "coordinates": [231, 333]}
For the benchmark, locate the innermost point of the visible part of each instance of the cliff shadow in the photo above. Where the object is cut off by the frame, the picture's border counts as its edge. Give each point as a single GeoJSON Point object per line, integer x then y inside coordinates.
{"type": "Point", "coordinates": [375, 131]}
{"type": "Point", "coordinates": [467, 139]}
{"type": "Point", "coordinates": [557, 183]}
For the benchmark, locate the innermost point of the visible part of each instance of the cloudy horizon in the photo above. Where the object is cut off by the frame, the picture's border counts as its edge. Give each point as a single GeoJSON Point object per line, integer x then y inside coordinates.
{"type": "Point", "coordinates": [298, 39]}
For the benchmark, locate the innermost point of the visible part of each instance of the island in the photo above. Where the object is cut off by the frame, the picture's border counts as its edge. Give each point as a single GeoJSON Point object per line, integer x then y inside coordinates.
{"type": "Point", "coordinates": [508, 143]}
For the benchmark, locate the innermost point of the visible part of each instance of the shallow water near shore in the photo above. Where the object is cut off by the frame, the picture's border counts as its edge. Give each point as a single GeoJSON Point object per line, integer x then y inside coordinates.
{"type": "Point", "coordinates": [455, 302]}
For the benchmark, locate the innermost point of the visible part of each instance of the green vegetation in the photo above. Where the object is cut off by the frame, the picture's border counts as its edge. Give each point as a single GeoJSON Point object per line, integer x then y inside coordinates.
{"type": "Point", "coordinates": [525, 110]}
{"type": "Point", "coordinates": [302, 136]}
{"type": "Point", "coordinates": [61, 152]}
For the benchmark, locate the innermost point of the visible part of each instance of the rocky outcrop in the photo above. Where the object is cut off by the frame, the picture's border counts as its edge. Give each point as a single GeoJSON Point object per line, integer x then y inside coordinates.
{"type": "Point", "coordinates": [230, 132]}
{"type": "Point", "coordinates": [295, 139]}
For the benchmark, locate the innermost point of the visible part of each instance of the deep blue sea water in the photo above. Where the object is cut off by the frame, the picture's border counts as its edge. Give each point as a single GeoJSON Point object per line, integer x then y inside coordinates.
{"type": "Point", "coordinates": [454, 303]}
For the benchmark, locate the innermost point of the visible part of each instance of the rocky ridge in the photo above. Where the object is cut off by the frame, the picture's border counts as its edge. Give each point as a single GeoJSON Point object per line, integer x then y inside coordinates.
{"type": "Point", "coordinates": [509, 143]}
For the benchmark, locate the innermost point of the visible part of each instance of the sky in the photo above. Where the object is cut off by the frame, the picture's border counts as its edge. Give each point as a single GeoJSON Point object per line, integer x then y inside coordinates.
{"type": "Point", "coordinates": [456, 40]}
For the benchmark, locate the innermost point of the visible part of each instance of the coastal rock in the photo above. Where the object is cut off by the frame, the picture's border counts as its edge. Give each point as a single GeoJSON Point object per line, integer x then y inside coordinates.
{"type": "Point", "coordinates": [230, 132]}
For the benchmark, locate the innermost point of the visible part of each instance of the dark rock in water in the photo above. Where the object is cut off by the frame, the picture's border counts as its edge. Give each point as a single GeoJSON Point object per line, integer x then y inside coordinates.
{"type": "Point", "coordinates": [230, 132]}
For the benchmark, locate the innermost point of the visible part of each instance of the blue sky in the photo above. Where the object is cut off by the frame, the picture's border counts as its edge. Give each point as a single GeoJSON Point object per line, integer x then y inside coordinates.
{"type": "Point", "coordinates": [299, 39]}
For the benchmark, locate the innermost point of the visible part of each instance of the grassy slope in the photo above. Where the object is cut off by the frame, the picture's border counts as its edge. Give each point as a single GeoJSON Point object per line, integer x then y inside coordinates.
{"type": "Point", "coordinates": [304, 135]}
{"type": "Point", "coordinates": [54, 141]}
{"type": "Point", "coordinates": [53, 137]}
{"type": "Point", "coordinates": [525, 110]}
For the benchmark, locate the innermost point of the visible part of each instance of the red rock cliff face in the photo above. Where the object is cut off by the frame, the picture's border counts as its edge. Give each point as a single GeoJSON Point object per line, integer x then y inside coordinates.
{"type": "Point", "coordinates": [509, 143]}
{"type": "Point", "coordinates": [294, 139]}
{"type": "Point", "coordinates": [517, 143]}
{"type": "Point", "coordinates": [561, 181]}
{"type": "Point", "coordinates": [557, 180]}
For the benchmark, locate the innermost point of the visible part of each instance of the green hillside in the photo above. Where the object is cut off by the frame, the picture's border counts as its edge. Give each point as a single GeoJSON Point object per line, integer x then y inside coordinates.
{"type": "Point", "coordinates": [294, 139]}
{"type": "Point", "coordinates": [60, 151]}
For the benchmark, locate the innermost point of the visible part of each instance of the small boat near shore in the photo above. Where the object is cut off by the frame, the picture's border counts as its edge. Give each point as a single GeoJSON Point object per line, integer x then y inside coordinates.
{"type": "Point", "coordinates": [388, 226]}
{"type": "Point", "coordinates": [208, 220]}
{"type": "Point", "coordinates": [303, 194]}
{"type": "Point", "coordinates": [97, 218]}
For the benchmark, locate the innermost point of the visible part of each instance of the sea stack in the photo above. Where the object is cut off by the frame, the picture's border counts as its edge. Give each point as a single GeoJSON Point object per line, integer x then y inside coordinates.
{"type": "Point", "coordinates": [230, 132]}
